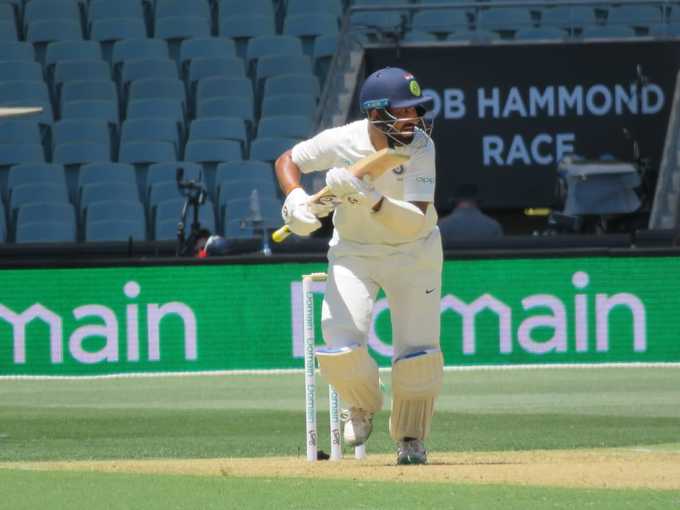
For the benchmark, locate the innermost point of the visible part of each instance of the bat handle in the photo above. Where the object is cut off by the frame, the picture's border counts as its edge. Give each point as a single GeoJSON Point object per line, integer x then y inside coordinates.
{"type": "Point", "coordinates": [278, 236]}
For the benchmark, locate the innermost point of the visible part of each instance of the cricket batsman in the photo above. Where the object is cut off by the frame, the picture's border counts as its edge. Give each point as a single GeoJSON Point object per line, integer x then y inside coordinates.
{"type": "Point", "coordinates": [385, 236]}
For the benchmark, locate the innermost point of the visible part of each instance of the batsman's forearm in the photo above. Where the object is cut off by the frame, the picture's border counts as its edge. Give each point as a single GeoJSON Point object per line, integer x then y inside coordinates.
{"type": "Point", "coordinates": [287, 173]}
{"type": "Point", "coordinates": [400, 216]}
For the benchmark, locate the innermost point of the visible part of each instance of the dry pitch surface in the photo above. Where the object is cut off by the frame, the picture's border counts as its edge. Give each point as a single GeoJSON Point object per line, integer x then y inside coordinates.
{"type": "Point", "coordinates": [622, 469]}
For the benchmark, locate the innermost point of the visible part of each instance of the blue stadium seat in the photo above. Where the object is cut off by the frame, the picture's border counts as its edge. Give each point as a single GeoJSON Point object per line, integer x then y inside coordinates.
{"type": "Point", "coordinates": [607, 32]}
{"type": "Point", "coordinates": [115, 230]}
{"type": "Point", "coordinates": [292, 84]}
{"type": "Point", "coordinates": [44, 212]}
{"type": "Point", "coordinates": [167, 172]}
{"type": "Point", "coordinates": [41, 33]}
{"type": "Point", "coordinates": [289, 104]}
{"type": "Point", "coordinates": [219, 128]}
{"type": "Point", "coordinates": [285, 126]}
{"type": "Point", "coordinates": [35, 192]}
{"type": "Point", "coordinates": [119, 191]}
{"type": "Point", "coordinates": [150, 108]}
{"type": "Point", "coordinates": [202, 47]}
{"type": "Point", "coordinates": [26, 92]}
{"type": "Point", "coordinates": [268, 45]}
{"type": "Point", "coordinates": [210, 153]}
{"type": "Point", "coordinates": [108, 31]}
{"type": "Point", "coordinates": [440, 22]}
{"type": "Point", "coordinates": [138, 49]}
{"type": "Point", "coordinates": [167, 215]}
{"type": "Point", "coordinates": [307, 27]}
{"type": "Point", "coordinates": [46, 232]}
{"type": "Point", "coordinates": [130, 210]}
{"type": "Point", "coordinates": [104, 90]}
{"type": "Point", "coordinates": [244, 209]}
{"type": "Point", "coordinates": [13, 154]}
{"type": "Point", "coordinates": [663, 30]}
{"type": "Point", "coordinates": [82, 130]}
{"type": "Point", "coordinates": [269, 149]}
{"type": "Point", "coordinates": [20, 131]}
{"type": "Point", "coordinates": [162, 191]}
{"type": "Point", "coordinates": [144, 68]}
{"type": "Point", "coordinates": [79, 70]}
{"type": "Point", "coordinates": [504, 19]}
{"type": "Point", "coordinates": [31, 173]}
{"type": "Point", "coordinates": [241, 28]}
{"type": "Point", "coordinates": [294, 7]}
{"type": "Point", "coordinates": [325, 47]}
{"type": "Point", "coordinates": [210, 67]}
{"type": "Point", "coordinates": [106, 172]}
{"type": "Point", "coordinates": [74, 155]}
{"type": "Point", "coordinates": [59, 51]}
{"type": "Point", "coordinates": [8, 12]}
{"type": "Point", "coordinates": [8, 31]}
{"type": "Point", "coordinates": [178, 8]}
{"type": "Point", "coordinates": [51, 10]}
{"type": "Point", "coordinates": [160, 88]}
{"type": "Point", "coordinates": [416, 36]}
{"type": "Point", "coordinates": [144, 154]}
{"type": "Point", "coordinates": [240, 170]}
{"type": "Point", "coordinates": [227, 107]}
{"type": "Point", "coordinates": [569, 17]}
{"type": "Point", "coordinates": [634, 16]}
{"type": "Point", "coordinates": [15, 50]}
{"type": "Point", "coordinates": [101, 109]}
{"type": "Point", "coordinates": [178, 28]}
{"type": "Point", "coordinates": [268, 67]}
{"type": "Point", "coordinates": [238, 229]}
{"type": "Point", "coordinates": [232, 189]}
{"type": "Point", "coordinates": [3, 224]}
{"type": "Point", "coordinates": [20, 71]}
{"type": "Point", "coordinates": [231, 8]}
{"type": "Point", "coordinates": [157, 129]}
{"type": "Point", "coordinates": [220, 86]}
{"type": "Point", "coordinates": [540, 33]}
{"type": "Point", "coordinates": [106, 9]}
{"type": "Point", "coordinates": [473, 36]}
{"type": "Point", "coordinates": [375, 24]}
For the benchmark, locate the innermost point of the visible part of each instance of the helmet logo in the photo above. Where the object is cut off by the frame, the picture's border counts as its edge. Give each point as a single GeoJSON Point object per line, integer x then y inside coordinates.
{"type": "Point", "coordinates": [414, 88]}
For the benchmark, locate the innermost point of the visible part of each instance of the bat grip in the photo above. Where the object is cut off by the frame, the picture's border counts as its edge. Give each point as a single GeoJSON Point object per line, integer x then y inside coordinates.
{"type": "Point", "coordinates": [278, 236]}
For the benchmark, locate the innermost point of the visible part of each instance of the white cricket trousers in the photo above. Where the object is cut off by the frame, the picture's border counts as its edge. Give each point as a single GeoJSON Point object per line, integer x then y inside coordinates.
{"type": "Point", "coordinates": [409, 274]}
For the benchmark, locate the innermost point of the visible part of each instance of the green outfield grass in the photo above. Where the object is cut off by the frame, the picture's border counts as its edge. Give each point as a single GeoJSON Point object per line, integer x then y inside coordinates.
{"type": "Point", "coordinates": [251, 416]}
{"type": "Point", "coordinates": [74, 491]}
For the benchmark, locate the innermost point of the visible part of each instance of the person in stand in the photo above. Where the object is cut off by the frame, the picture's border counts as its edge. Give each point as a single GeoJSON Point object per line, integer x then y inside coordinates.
{"type": "Point", "coordinates": [466, 221]}
{"type": "Point", "coordinates": [385, 236]}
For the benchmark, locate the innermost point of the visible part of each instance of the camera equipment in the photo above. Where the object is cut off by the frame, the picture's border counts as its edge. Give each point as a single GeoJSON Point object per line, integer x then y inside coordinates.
{"type": "Point", "coordinates": [195, 196]}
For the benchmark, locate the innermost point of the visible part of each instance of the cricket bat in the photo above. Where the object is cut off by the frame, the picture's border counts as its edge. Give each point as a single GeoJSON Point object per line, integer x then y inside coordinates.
{"type": "Point", "coordinates": [374, 165]}
{"type": "Point", "coordinates": [13, 111]}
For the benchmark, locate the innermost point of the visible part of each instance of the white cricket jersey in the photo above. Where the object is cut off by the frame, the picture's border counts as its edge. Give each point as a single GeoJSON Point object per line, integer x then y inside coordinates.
{"type": "Point", "coordinates": [412, 182]}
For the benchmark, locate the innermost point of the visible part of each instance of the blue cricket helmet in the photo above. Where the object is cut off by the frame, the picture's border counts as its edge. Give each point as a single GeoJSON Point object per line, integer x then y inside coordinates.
{"type": "Point", "coordinates": [391, 87]}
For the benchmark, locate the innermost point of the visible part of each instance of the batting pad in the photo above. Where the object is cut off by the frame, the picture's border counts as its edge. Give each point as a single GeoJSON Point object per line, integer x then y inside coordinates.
{"type": "Point", "coordinates": [353, 374]}
{"type": "Point", "coordinates": [416, 382]}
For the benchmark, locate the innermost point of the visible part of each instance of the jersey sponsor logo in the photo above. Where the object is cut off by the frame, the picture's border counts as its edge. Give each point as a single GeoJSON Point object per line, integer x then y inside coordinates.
{"type": "Point", "coordinates": [427, 180]}
{"type": "Point", "coordinates": [399, 170]}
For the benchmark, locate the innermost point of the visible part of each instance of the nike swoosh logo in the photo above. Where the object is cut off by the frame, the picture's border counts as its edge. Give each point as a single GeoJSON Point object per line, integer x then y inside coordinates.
{"type": "Point", "coordinates": [429, 291]}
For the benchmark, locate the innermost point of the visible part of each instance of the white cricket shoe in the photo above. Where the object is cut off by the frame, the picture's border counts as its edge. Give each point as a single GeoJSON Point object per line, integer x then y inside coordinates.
{"type": "Point", "coordinates": [411, 451]}
{"type": "Point", "coordinates": [358, 426]}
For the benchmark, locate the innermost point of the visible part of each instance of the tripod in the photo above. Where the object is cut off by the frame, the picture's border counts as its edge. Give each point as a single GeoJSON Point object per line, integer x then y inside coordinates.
{"type": "Point", "coordinates": [195, 196]}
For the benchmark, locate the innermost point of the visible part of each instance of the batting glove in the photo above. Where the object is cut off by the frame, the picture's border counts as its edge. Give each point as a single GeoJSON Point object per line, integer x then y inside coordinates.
{"type": "Point", "coordinates": [353, 190]}
{"type": "Point", "coordinates": [296, 213]}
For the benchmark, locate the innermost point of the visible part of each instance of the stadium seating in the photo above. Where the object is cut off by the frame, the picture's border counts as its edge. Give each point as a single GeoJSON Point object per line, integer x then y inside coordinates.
{"type": "Point", "coordinates": [8, 31]}
{"type": "Point", "coordinates": [240, 170]}
{"type": "Point", "coordinates": [103, 90]}
{"type": "Point", "coordinates": [210, 153]}
{"type": "Point", "coordinates": [175, 29]}
{"type": "Point", "coordinates": [268, 149]}
{"type": "Point", "coordinates": [243, 27]}
{"type": "Point", "coordinates": [220, 128]}
{"type": "Point", "coordinates": [268, 45]}
{"type": "Point", "coordinates": [46, 231]}
{"type": "Point", "coordinates": [29, 173]}
{"type": "Point", "coordinates": [153, 129]}
{"type": "Point", "coordinates": [35, 192]}
{"type": "Point", "coordinates": [286, 126]}
{"type": "Point", "coordinates": [108, 31]}
{"type": "Point", "coordinates": [289, 104]}
{"type": "Point", "coordinates": [100, 109]}
{"type": "Point", "coordinates": [82, 130]}
{"type": "Point", "coordinates": [106, 172]}
{"type": "Point", "coordinates": [20, 131]}
{"type": "Point", "coordinates": [15, 50]}
{"type": "Point", "coordinates": [167, 172]}
{"type": "Point", "coordinates": [205, 47]}
{"type": "Point", "coordinates": [115, 230]}
{"type": "Point", "coordinates": [106, 9]}
{"type": "Point", "coordinates": [141, 154]}
{"type": "Point", "coordinates": [167, 215]}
